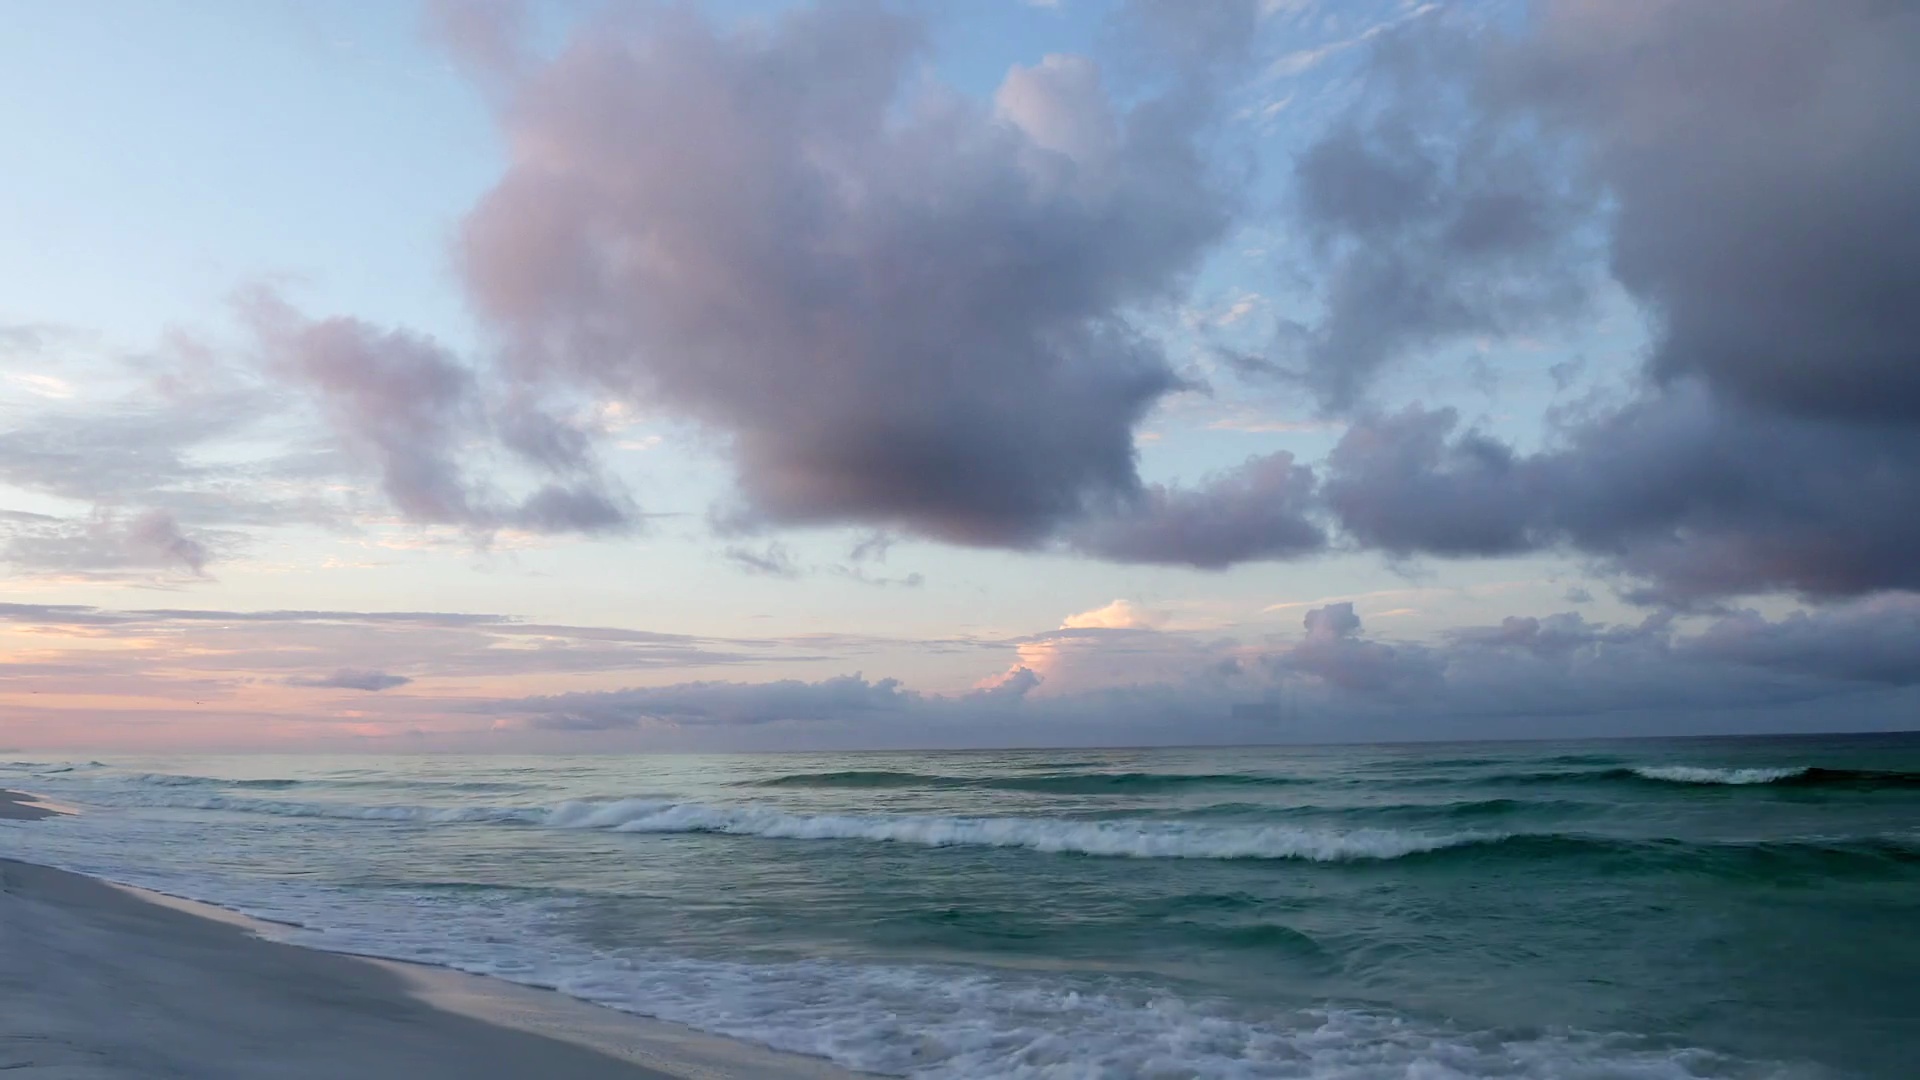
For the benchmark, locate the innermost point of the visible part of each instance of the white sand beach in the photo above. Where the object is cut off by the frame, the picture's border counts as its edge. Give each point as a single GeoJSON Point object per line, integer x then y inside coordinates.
{"type": "Point", "coordinates": [102, 982]}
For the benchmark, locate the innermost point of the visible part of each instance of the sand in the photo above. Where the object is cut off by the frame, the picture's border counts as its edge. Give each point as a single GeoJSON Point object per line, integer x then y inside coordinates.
{"type": "Point", "coordinates": [15, 806]}
{"type": "Point", "coordinates": [100, 981]}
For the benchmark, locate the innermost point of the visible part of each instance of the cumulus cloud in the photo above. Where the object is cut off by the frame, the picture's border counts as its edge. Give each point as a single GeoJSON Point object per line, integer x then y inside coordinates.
{"type": "Point", "coordinates": [900, 308]}
{"type": "Point", "coordinates": [1851, 665]}
{"type": "Point", "coordinates": [407, 406]}
{"type": "Point", "coordinates": [1118, 615]}
{"type": "Point", "coordinates": [1539, 675]}
{"type": "Point", "coordinates": [1764, 160]}
{"type": "Point", "coordinates": [351, 679]}
{"type": "Point", "coordinates": [1263, 508]}
{"type": "Point", "coordinates": [1429, 219]}
{"type": "Point", "coordinates": [1876, 640]}
{"type": "Point", "coordinates": [1755, 162]}
{"type": "Point", "coordinates": [1013, 685]}
{"type": "Point", "coordinates": [1335, 653]}
{"type": "Point", "coordinates": [1693, 497]}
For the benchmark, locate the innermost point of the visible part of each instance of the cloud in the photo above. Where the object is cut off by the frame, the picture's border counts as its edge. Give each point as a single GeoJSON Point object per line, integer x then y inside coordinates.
{"type": "Point", "coordinates": [1763, 159]}
{"type": "Point", "coordinates": [1875, 640]}
{"type": "Point", "coordinates": [1428, 220]}
{"type": "Point", "coordinates": [350, 679]}
{"type": "Point", "coordinates": [1261, 509]}
{"type": "Point", "coordinates": [1119, 615]}
{"type": "Point", "coordinates": [404, 404]}
{"type": "Point", "coordinates": [1014, 685]}
{"type": "Point", "coordinates": [148, 547]}
{"type": "Point", "coordinates": [1850, 665]}
{"type": "Point", "coordinates": [1334, 653]}
{"type": "Point", "coordinates": [899, 308]}
{"type": "Point", "coordinates": [156, 533]}
{"type": "Point", "coordinates": [719, 703]}
{"type": "Point", "coordinates": [772, 561]}
{"type": "Point", "coordinates": [1691, 496]}
{"type": "Point", "coordinates": [1769, 444]}
{"type": "Point", "coordinates": [1536, 675]}
{"type": "Point", "coordinates": [151, 450]}
{"type": "Point", "coordinates": [281, 645]}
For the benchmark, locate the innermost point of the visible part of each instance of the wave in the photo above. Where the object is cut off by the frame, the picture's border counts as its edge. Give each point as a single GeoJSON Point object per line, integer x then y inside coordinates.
{"type": "Point", "coordinates": [1197, 839]}
{"type": "Point", "coordinates": [1727, 776]}
{"type": "Point", "coordinates": [1059, 783]}
{"type": "Point", "coordinates": [187, 780]}
{"type": "Point", "coordinates": [1078, 783]}
{"type": "Point", "coordinates": [1127, 839]}
{"type": "Point", "coordinates": [1753, 860]}
{"type": "Point", "coordinates": [1792, 776]}
{"type": "Point", "coordinates": [182, 780]}
{"type": "Point", "coordinates": [1139, 839]}
{"type": "Point", "coordinates": [949, 1022]}
{"type": "Point", "coordinates": [1693, 774]}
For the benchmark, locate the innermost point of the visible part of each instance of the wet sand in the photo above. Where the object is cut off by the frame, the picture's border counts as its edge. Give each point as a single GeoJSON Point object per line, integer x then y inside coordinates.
{"type": "Point", "coordinates": [15, 806]}
{"type": "Point", "coordinates": [102, 982]}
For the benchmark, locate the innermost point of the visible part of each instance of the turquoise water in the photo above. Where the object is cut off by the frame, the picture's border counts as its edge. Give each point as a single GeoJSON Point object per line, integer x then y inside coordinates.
{"type": "Point", "coordinates": [1650, 909]}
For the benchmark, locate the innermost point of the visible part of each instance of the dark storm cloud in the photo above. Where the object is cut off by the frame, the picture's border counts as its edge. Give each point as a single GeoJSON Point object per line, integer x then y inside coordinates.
{"type": "Point", "coordinates": [1694, 497]}
{"type": "Point", "coordinates": [1429, 220]}
{"type": "Point", "coordinates": [351, 679]}
{"type": "Point", "coordinates": [1764, 160]}
{"type": "Point", "coordinates": [900, 307]}
{"type": "Point", "coordinates": [1876, 640]}
{"type": "Point", "coordinates": [1257, 510]}
{"type": "Point", "coordinates": [1761, 165]}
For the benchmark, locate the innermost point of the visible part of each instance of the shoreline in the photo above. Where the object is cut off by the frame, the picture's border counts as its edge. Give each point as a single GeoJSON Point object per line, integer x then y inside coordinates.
{"type": "Point", "coordinates": [24, 806]}
{"type": "Point", "coordinates": [105, 981]}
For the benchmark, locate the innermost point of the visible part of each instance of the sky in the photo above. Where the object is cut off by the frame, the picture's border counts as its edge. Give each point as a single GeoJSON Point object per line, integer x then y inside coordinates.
{"type": "Point", "coordinates": [587, 377]}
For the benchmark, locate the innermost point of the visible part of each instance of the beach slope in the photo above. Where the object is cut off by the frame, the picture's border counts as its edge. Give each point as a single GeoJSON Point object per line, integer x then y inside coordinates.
{"type": "Point", "coordinates": [96, 984]}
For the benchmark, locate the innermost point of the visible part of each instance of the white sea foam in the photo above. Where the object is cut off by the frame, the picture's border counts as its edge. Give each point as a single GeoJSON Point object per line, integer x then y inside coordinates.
{"type": "Point", "coordinates": [1693, 774]}
{"type": "Point", "coordinates": [927, 1021]}
{"type": "Point", "coordinates": [1112, 838]}
{"type": "Point", "coordinates": [1129, 839]}
{"type": "Point", "coordinates": [933, 1022]}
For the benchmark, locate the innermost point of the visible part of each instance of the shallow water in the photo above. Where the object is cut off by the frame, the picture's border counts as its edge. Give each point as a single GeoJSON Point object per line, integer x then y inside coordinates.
{"type": "Point", "coordinates": [1650, 909]}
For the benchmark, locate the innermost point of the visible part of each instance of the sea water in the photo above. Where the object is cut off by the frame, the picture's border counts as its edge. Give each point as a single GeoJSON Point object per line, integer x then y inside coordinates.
{"type": "Point", "coordinates": [1636, 910]}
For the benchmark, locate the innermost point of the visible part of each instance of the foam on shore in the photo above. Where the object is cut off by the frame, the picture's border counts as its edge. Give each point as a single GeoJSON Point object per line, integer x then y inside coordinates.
{"type": "Point", "coordinates": [254, 982]}
{"type": "Point", "coordinates": [26, 806]}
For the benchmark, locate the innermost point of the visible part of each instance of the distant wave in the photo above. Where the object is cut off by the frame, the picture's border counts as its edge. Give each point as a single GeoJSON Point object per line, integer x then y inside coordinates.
{"type": "Point", "coordinates": [1059, 783]}
{"type": "Point", "coordinates": [1135, 839]}
{"type": "Point", "coordinates": [1116, 783]}
{"type": "Point", "coordinates": [1693, 774]}
{"type": "Point", "coordinates": [1697, 775]}
{"type": "Point", "coordinates": [1127, 839]}
{"type": "Point", "coordinates": [181, 780]}
{"type": "Point", "coordinates": [187, 780]}
{"type": "Point", "coordinates": [1139, 839]}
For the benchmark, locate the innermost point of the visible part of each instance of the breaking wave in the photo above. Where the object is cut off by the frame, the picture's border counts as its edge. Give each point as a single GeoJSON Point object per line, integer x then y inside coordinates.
{"type": "Point", "coordinates": [1693, 774]}
{"type": "Point", "coordinates": [1138, 839]}
{"type": "Point", "coordinates": [1058, 783]}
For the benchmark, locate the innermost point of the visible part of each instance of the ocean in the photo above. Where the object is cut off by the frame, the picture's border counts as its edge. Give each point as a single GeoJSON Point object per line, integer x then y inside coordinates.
{"type": "Point", "coordinates": [1640, 910]}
